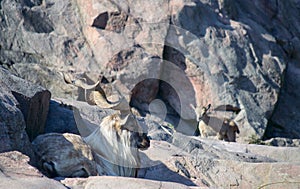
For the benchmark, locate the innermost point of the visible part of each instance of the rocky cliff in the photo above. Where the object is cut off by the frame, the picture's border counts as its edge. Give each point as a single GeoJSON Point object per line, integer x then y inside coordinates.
{"type": "Point", "coordinates": [184, 52]}
{"type": "Point", "coordinates": [168, 54]}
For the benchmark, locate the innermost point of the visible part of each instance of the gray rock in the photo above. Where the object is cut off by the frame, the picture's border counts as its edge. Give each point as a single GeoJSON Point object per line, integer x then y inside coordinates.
{"type": "Point", "coordinates": [285, 119]}
{"type": "Point", "coordinates": [218, 52]}
{"type": "Point", "coordinates": [37, 40]}
{"type": "Point", "coordinates": [158, 129]}
{"type": "Point", "coordinates": [214, 149]}
{"type": "Point", "coordinates": [283, 142]}
{"type": "Point", "coordinates": [60, 118]}
{"type": "Point", "coordinates": [16, 172]}
{"type": "Point", "coordinates": [120, 182]}
{"type": "Point", "coordinates": [33, 102]}
{"type": "Point", "coordinates": [12, 132]}
{"type": "Point", "coordinates": [221, 75]}
{"type": "Point", "coordinates": [70, 116]}
{"type": "Point", "coordinates": [222, 164]}
{"type": "Point", "coordinates": [165, 162]}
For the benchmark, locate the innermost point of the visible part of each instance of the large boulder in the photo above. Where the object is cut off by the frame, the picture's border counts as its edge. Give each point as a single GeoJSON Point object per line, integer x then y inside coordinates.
{"type": "Point", "coordinates": [71, 116]}
{"type": "Point", "coordinates": [38, 38]}
{"type": "Point", "coordinates": [240, 165]}
{"type": "Point", "coordinates": [60, 118]}
{"type": "Point", "coordinates": [16, 172]}
{"type": "Point", "coordinates": [33, 101]}
{"type": "Point", "coordinates": [12, 132]}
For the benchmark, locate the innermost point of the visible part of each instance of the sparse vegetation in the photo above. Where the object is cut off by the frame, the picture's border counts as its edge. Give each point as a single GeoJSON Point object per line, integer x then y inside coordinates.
{"type": "Point", "coordinates": [170, 126]}
{"type": "Point", "coordinates": [254, 139]}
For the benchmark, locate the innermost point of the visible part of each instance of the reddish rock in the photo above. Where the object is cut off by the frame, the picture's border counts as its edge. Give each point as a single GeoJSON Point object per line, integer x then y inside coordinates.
{"type": "Point", "coordinates": [16, 172]}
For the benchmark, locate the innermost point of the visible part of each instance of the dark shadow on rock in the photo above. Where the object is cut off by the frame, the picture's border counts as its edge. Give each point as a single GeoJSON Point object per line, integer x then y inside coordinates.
{"type": "Point", "coordinates": [100, 21]}
{"type": "Point", "coordinates": [285, 120]}
{"type": "Point", "coordinates": [174, 56]}
{"type": "Point", "coordinates": [37, 21]}
{"type": "Point", "coordinates": [194, 19]}
{"type": "Point", "coordinates": [111, 21]}
{"type": "Point", "coordinates": [244, 83]}
{"type": "Point", "coordinates": [60, 119]}
{"type": "Point", "coordinates": [157, 170]}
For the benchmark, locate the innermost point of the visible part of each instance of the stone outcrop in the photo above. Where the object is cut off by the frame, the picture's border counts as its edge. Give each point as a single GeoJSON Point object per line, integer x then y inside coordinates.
{"type": "Point", "coordinates": [33, 101]}
{"type": "Point", "coordinates": [184, 52]}
{"type": "Point", "coordinates": [217, 164]}
{"type": "Point", "coordinates": [16, 172]}
{"type": "Point", "coordinates": [198, 162]}
{"type": "Point", "coordinates": [168, 54]}
{"type": "Point", "coordinates": [60, 118]}
{"type": "Point", "coordinates": [121, 182]}
{"type": "Point", "coordinates": [12, 132]}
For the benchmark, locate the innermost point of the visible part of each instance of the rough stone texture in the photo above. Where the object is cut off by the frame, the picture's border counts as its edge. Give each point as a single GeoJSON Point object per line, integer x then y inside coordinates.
{"type": "Point", "coordinates": [120, 182]}
{"type": "Point", "coordinates": [285, 119]}
{"type": "Point", "coordinates": [199, 52]}
{"type": "Point", "coordinates": [160, 162]}
{"type": "Point", "coordinates": [60, 118]}
{"type": "Point", "coordinates": [135, 43]}
{"type": "Point", "coordinates": [283, 142]}
{"type": "Point", "coordinates": [230, 62]}
{"type": "Point", "coordinates": [12, 132]}
{"type": "Point", "coordinates": [217, 164]}
{"type": "Point", "coordinates": [40, 38]}
{"type": "Point", "coordinates": [223, 164]}
{"type": "Point", "coordinates": [33, 102]}
{"type": "Point", "coordinates": [191, 162]}
{"type": "Point", "coordinates": [158, 129]}
{"type": "Point", "coordinates": [74, 117]}
{"type": "Point", "coordinates": [15, 172]}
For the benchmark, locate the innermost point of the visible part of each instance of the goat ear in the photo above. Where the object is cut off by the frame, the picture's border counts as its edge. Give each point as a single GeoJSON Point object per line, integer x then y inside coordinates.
{"type": "Point", "coordinates": [129, 123]}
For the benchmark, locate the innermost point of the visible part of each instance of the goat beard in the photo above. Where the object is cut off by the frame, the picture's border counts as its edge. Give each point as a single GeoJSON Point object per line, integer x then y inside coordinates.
{"type": "Point", "coordinates": [115, 151]}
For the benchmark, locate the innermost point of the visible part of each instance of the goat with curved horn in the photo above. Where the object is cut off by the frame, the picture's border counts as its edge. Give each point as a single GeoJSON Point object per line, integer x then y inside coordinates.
{"type": "Point", "coordinates": [95, 95]}
{"type": "Point", "coordinates": [116, 143]}
{"type": "Point", "coordinates": [224, 129]}
{"type": "Point", "coordinates": [119, 137]}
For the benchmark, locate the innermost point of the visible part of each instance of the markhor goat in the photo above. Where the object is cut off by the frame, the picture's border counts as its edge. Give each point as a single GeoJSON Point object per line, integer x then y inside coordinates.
{"type": "Point", "coordinates": [114, 143]}
{"type": "Point", "coordinates": [224, 128]}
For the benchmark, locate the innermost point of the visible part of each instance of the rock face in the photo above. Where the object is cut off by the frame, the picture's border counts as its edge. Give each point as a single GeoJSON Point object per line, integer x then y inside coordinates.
{"type": "Point", "coordinates": [15, 172]}
{"type": "Point", "coordinates": [169, 55]}
{"type": "Point", "coordinates": [217, 164]}
{"type": "Point", "coordinates": [64, 155]}
{"type": "Point", "coordinates": [173, 160]}
{"type": "Point", "coordinates": [60, 118]}
{"type": "Point", "coordinates": [184, 52]}
{"type": "Point", "coordinates": [12, 132]}
{"type": "Point", "coordinates": [33, 101]}
{"type": "Point", "coordinates": [120, 182]}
